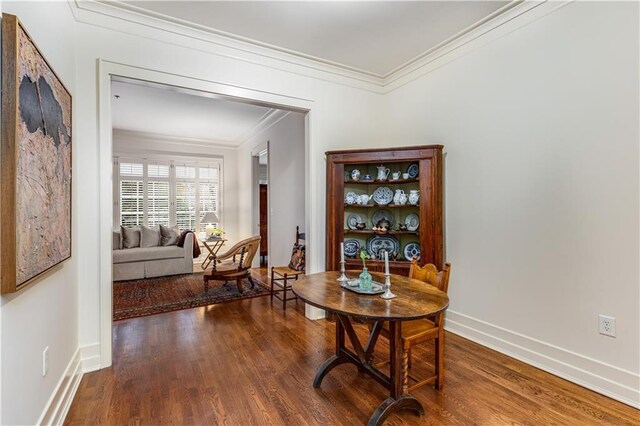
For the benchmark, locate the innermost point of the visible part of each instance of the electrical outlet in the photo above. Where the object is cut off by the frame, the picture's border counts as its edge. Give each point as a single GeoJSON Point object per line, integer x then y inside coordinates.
{"type": "Point", "coordinates": [45, 361]}
{"type": "Point", "coordinates": [607, 325]}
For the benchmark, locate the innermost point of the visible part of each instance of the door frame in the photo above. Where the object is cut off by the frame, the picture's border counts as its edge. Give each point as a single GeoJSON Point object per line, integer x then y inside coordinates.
{"type": "Point", "coordinates": [108, 70]}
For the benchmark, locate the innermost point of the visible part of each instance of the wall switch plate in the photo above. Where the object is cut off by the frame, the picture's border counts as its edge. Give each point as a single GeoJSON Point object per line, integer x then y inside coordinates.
{"type": "Point", "coordinates": [45, 361]}
{"type": "Point", "coordinates": [607, 325]}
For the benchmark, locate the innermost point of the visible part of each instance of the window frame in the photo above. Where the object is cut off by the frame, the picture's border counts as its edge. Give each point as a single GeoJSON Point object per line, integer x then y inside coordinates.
{"type": "Point", "coordinates": [214, 163]}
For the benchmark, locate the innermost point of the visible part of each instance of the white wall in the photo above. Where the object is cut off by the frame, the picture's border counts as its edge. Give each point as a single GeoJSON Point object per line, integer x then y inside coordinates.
{"type": "Point", "coordinates": [45, 313]}
{"type": "Point", "coordinates": [541, 132]}
{"type": "Point", "coordinates": [286, 184]}
{"type": "Point", "coordinates": [125, 142]}
{"type": "Point", "coordinates": [342, 117]}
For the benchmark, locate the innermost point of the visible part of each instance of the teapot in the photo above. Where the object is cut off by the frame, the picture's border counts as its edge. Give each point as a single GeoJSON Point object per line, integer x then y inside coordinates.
{"type": "Point", "coordinates": [383, 172]}
{"type": "Point", "coordinates": [363, 199]}
{"type": "Point", "coordinates": [414, 196]}
{"type": "Point", "coordinates": [400, 197]}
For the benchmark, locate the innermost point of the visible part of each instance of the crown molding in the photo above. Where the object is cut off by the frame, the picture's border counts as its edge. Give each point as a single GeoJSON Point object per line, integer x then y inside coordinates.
{"type": "Point", "coordinates": [183, 141]}
{"type": "Point", "coordinates": [137, 21]}
{"type": "Point", "coordinates": [270, 118]}
{"type": "Point", "coordinates": [140, 22]}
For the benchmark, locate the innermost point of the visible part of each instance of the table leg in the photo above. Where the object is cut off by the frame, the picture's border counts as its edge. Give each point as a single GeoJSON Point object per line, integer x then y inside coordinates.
{"type": "Point", "coordinates": [335, 360]}
{"type": "Point", "coordinates": [396, 401]}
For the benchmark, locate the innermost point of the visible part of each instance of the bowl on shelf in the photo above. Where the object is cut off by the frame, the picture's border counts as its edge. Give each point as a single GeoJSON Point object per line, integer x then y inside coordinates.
{"type": "Point", "coordinates": [361, 225]}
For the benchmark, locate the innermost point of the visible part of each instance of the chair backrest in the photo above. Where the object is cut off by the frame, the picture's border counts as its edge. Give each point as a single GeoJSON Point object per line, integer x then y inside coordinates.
{"type": "Point", "coordinates": [246, 249]}
{"type": "Point", "coordinates": [430, 274]}
{"type": "Point", "coordinates": [300, 236]}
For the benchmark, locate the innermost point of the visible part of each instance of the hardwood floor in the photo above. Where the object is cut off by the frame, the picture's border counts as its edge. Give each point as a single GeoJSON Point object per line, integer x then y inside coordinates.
{"type": "Point", "coordinates": [247, 363]}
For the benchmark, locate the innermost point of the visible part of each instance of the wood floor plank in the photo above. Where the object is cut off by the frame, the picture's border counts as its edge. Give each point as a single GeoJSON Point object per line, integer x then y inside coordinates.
{"type": "Point", "coordinates": [248, 363]}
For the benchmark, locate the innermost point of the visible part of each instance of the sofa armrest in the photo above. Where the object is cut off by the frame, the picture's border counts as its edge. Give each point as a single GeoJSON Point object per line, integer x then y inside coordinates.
{"type": "Point", "coordinates": [188, 246]}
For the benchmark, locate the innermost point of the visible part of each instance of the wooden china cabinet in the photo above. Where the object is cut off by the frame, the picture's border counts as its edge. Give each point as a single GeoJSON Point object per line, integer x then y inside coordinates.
{"type": "Point", "coordinates": [424, 219]}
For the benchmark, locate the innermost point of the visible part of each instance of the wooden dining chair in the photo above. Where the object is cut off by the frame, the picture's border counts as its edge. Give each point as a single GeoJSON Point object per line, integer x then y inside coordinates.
{"type": "Point", "coordinates": [419, 331]}
{"type": "Point", "coordinates": [281, 275]}
{"type": "Point", "coordinates": [234, 264]}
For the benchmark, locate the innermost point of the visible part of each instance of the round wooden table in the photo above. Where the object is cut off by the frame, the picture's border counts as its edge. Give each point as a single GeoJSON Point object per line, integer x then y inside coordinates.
{"type": "Point", "coordinates": [415, 300]}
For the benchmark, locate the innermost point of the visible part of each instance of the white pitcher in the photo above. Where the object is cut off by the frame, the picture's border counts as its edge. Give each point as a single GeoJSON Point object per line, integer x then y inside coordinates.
{"type": "Point", "coordinates": [414, 196]}
{"type": "Point", "coordinates": [397, 198]}
{"type": "Point", "coordinates": [383, 172]}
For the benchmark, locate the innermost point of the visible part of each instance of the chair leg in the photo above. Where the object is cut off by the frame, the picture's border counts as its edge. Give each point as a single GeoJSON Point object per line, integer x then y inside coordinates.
{"type": "Point", "coordinates": [272, 279]}
{"type": "Point", "coordinates": [284, 299]}
{"type": "Point", "coordinates": [206, 284]}
{"type": "Point", "coordinates": [409, 357]}
{"type": "Point", "coordinates": [405, 369]}
{"type": "Point", "coordinates": [239, 284]}
{"type": "Point", "coordinates": [439, 364]}
{"type": "Point", "coordinates": [251, 281]}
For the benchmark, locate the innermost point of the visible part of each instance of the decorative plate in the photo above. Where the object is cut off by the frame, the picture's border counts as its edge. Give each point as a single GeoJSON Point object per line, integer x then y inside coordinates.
{"type": "Point", "coordinates": [383, 214]}
{"type": "Point", "coordinates": [412, 221]}
{"type": "Point", "coordinates": [350, 197]}
{"type": "Point", "coordinates": [382, 242]}
{"type": "Point", "coordinates": [383, 195]}
{"type": "Point", "coordinates": [411, 250]}
{"type": "Point", "coordinates": [351, 248]}
{"type": "Point", "coordinates": [413, 170]}
{"type": "Point", "coordinates": [352, 219]}
{"type": "Point", "coordinates": [354, 285]}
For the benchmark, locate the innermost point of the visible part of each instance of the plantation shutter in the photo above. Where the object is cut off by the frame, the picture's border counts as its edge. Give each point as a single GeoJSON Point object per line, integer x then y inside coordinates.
{"type": "Point", "coordinates": [131, 202]}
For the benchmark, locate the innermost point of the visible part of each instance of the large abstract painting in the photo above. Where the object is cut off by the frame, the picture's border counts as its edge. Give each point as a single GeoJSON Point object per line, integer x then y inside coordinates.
{"type": "Point", "coordinates": [35, 229]}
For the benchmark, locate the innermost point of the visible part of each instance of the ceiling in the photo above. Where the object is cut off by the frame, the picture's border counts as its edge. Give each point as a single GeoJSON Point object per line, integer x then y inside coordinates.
{"type": "Point", "coordinates": [168, 111]}
{"type": "Point", "coordinates": [376, 37]}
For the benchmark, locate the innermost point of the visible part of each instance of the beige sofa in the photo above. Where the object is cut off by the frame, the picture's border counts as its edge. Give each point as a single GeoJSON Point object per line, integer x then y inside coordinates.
{"type": "Point", "coordinates": [148, 262]}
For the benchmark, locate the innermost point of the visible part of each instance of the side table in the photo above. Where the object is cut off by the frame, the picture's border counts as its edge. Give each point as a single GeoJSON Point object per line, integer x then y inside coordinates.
{"type": "Point", "coordinates": [213, 245]}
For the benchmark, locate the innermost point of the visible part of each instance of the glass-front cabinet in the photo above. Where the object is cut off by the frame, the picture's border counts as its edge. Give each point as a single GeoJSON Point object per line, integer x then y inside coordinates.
{"type": "Point", "coordinates": [385, 200]}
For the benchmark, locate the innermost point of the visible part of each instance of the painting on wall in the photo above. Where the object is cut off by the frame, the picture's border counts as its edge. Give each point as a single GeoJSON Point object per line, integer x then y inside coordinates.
{"type": "Point", "coordinates": [35, 156]}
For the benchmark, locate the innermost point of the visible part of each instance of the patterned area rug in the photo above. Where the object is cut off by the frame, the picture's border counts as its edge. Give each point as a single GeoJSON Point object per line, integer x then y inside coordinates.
{"type": "Point", "coordinates": [137, 298]}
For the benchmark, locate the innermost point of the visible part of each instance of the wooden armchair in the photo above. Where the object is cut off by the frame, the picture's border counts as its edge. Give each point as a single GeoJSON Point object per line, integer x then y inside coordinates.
{"type": "Point", "coordinates": [419, 331]}
{"type": "Point", "coordinates": [235, 264]}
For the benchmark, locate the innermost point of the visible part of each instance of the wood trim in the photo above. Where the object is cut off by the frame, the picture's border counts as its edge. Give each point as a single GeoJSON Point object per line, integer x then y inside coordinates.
{"type": "Point", "coordinates": [8, 152]}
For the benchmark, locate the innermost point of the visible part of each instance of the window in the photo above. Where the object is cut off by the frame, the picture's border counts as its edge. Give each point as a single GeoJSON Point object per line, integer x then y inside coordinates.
{"type": "Point", "coordinates": [154, 192]}
{"type": "Point", "coordinates": [131, 194]}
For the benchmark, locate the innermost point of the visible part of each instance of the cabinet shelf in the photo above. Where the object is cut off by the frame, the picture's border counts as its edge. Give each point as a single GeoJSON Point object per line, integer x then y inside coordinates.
{"type": "Point", "coordinates": [369, 231]}
{"type": "Point", "coordinates": [365, 206]}
{"type": "Point", "coordinates": [383, 182]}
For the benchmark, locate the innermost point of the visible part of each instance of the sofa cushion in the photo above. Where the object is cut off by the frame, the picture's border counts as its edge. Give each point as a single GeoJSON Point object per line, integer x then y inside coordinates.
{"type": "Point", "coordinates": [141, 254]}
{"type": "Point", "coordinates": [169, 236]}
{"type": "Point", "coordinates": [149, 236]}
{"type": "Point", "coordinates": [116, 242]}
{"type": "Point", "coordinates": [130, 237]}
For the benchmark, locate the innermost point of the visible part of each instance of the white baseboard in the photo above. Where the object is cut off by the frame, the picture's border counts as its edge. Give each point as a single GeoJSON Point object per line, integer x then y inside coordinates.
{"type": "Point", "coordinates": [606, 379]}
{"type": "Point", "coordinates": [58, 405]}
{"type": "Point", "coordinates": [90, 356]}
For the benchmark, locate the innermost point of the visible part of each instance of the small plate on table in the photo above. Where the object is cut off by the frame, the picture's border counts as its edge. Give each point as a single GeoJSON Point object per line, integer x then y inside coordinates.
{"type": "Point", "coordinates": [351, 248]}
{"type": "Point", "coordinates": [354, 285]}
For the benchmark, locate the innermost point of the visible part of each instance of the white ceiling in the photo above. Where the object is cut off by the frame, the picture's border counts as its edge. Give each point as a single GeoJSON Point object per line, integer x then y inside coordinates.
{"type": "Point", "coordinates": [373, 36]}
{"type": "Point", "coordinates": [183, 114]}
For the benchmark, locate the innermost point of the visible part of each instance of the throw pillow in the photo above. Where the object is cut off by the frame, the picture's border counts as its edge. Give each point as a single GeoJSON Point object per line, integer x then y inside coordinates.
{"type": "Point", "coordinates": [297, 257]}
{"type": "Point", "coordinates": [116, 242]}
{"type": "Point", "coordinates": [169, 236]}
{"type": "Point", "coordinates": [130, 237]}
{"type": "Point", "coordinates": [149, 237]}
